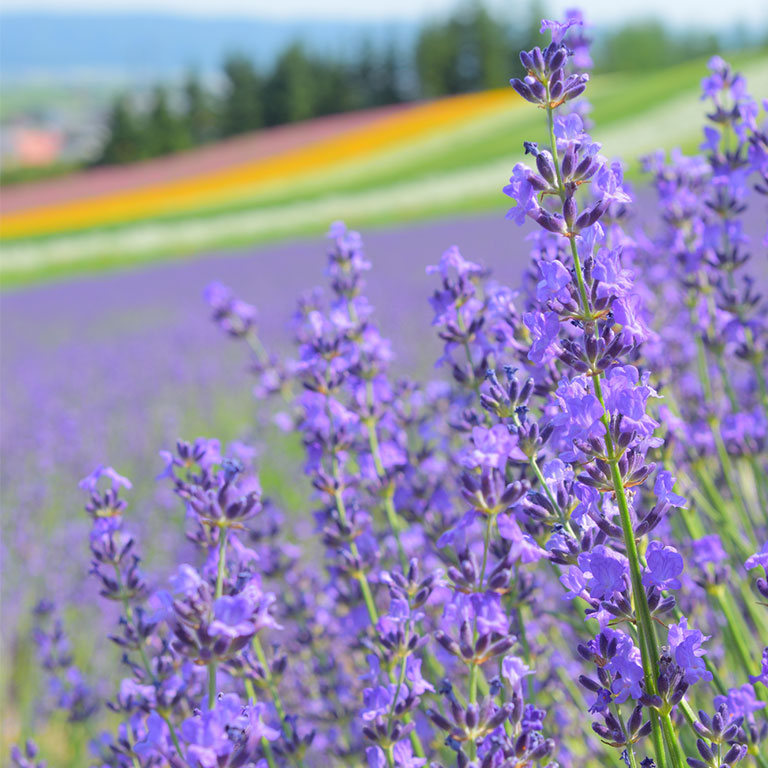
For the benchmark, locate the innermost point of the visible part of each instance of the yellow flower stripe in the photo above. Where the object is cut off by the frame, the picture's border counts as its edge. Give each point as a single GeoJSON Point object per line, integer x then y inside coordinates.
{"type": "Point", "coordinates": [237, 182]}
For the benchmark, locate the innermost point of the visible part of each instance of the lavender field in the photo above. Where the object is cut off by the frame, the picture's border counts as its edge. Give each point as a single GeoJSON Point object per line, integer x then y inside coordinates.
{"type": "Point", "coordinates": [121, 364]}
{"type": "Point", "coordinates": [114, 364]}
{"type": "Point", "coordinates": [494, 497]}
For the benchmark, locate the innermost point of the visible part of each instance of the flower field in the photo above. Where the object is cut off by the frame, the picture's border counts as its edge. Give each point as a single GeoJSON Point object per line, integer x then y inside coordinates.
{"type": "Point", "coordinates": [385, 166]}
{"type": "Point", "coordinates": [493, 494]}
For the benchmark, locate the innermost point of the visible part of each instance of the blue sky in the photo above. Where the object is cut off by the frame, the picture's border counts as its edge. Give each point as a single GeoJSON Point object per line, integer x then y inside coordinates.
{"type": "Point", "coordinates": [679, 12]}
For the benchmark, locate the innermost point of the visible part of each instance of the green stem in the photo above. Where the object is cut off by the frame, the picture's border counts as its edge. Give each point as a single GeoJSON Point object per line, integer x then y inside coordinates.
{"type": "Point", "coordinates": [526, 647]}
{"type": "Point", "coordinates": [221, 570]}
{"type": "Point", "coordinates": [737, 628]}
{"type": "Point", "coordinates": [400, 681]}
{"type": "Point", "coordinates": [580, 278]}
{"type": "Point", "coordinates": [274, 693]}
{"type": "Point", "coordinates": [473, 669]}
{"type": "Point", "coordinates": [689, 714]}
{"type": "Point", "coordinates": [220, 574]}
{"type": "Point", "coordinates": [638, 590]}
{"type": "Point", "coordinates": [146, 664]}
{"type": "Point", "coordinates": [629, 750]}
{"type": "Point", "coordinates": [649, 649]}
{"type": "Point", "coordinates": [370, 605]}
{"type": "Point", "coordinates": [657, 737]}
{"type": "Point", "coordinates": [534, 464]}
{"type": "Point", "coordinates": [646, 633]}
{"type": "Point", "coordinates": [265, 745]}
{"type": "Point", "coordinates": [174, 737]}
{"type": "Point", "coordinates": [727, 467]}
{"type": "Point", "coordinates": [547, 490]}
{"type": "Point", "coordinates": [360, 576]}
{"type": "Point", "coordinates": [762, 760]}
{"type": "Point", "coordinates": [672, 741]}
{"type": "Point", "coordinates": [553, 145]}
{"type": "Point", "coordinates": [389, 505]}
{"type": "Point", "coordinates": [254, 342]}
{"type": "Point", "coordinates": [475, 384]}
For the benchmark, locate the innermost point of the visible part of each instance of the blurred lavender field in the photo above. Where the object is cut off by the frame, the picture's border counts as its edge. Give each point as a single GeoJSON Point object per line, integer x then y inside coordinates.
{"type": "Point", "coordinates": [114, 367]}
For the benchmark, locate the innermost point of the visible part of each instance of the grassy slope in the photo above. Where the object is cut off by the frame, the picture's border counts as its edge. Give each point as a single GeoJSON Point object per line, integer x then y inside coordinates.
{"type": "Point", "coordinates": [452, 172]}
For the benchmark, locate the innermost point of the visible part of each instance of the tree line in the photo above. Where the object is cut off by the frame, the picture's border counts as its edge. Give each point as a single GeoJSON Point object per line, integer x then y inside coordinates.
{"type": "Point", "coordinates": [471, 49]}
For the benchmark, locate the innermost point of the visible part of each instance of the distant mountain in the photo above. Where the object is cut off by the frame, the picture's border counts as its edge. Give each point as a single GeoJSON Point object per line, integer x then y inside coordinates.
{"type": "Point", "coordinates": [142, 46]}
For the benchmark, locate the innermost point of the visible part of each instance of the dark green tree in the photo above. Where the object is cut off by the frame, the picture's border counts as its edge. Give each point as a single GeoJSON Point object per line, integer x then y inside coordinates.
{"type": "Point", "coordinates": [436, 59]}
{"type": "Point", "coordinates": [336, 89]}
{"type": "Point", "coordinates": [362, 76]}
{"type": "Point", "coordinates": [643, 45]}
{"type": "Point", "coordinates": [199, 111]}
{"type": "Point", "coordinates": [164, 130]}
{"type": "Point", "coordinates": [386, 78]}
{"type": "Point", "coordinates": [242, 104]}
{"type": "Point", "coordinates": [640, 44]}
{"type": "Point", "coordinates": [123, 134]}
{"type": "Point", "coordinates": [485, 48]}
{"type": "Point", "coordinates": [290, 93]}
{"type": "Point", "coordinates": [467, 51]}
{"type": "Point", "coordinates": [531, 34]}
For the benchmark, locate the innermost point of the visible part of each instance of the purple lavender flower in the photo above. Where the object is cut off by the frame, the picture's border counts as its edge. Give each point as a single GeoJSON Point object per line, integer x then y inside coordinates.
{"type": "Point", "coordinates": [604, 571]}
{"type": "Point", "coordinates": [663, 488]}
{"type": "Point", "coordinates": [90, 483]}
{"type": "Point", "coordinates": [27, 758]}
{"type": "Point", "coordinates": [233, 316]}
{"type": "Point", "coordinates": [665, 564]}
{"type": "Point", "coordinates": [762, 677]}
{"type": "Point", "coordinates": [544, 328]}
{"type": "Point", "coordinates": [556, 279]}
{"type": "Point", "coordinates": [627, 668]}
{"type": "Point", "coordinates": [231, 618]}
{"type": "Point", "coordinates": [741, 701]}
{"type": "Point", "coordinates": [614, 279]}
{"type": "Point", "coordinates": [708, 550]}
{"type": "Point", "coordinates": [515, 670]}
{"type": "Point", "coordinates": [685, 645]}
{"type": "Point", "coordinates": [493, 447]}
{"type": "Point", "coordinates": [759, 559]}
{"type": "Point", "coordinates": [558, 28]}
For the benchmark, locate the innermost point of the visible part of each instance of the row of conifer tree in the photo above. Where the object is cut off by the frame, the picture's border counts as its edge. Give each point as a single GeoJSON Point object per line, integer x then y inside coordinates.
{"type": "Point", "coordinates": [471, 49]}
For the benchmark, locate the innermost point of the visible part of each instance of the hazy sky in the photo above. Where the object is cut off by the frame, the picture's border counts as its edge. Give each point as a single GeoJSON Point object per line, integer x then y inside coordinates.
{"type": "Point", "coordinates": [693, 12]}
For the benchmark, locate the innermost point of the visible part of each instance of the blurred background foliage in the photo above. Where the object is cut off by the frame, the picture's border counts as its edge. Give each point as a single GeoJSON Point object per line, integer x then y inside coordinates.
{"type": "Point", "coordinates": [471, 48]}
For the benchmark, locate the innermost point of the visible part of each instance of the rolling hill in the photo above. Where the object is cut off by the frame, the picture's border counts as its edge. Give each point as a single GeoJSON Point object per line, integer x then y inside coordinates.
{"type": "Point", "coordinates": [380, 166]}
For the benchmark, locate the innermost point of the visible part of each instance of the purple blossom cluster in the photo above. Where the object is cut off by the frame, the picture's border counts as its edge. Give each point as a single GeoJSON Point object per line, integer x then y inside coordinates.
{"type": "Point", "coordinates": [553, 555]}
